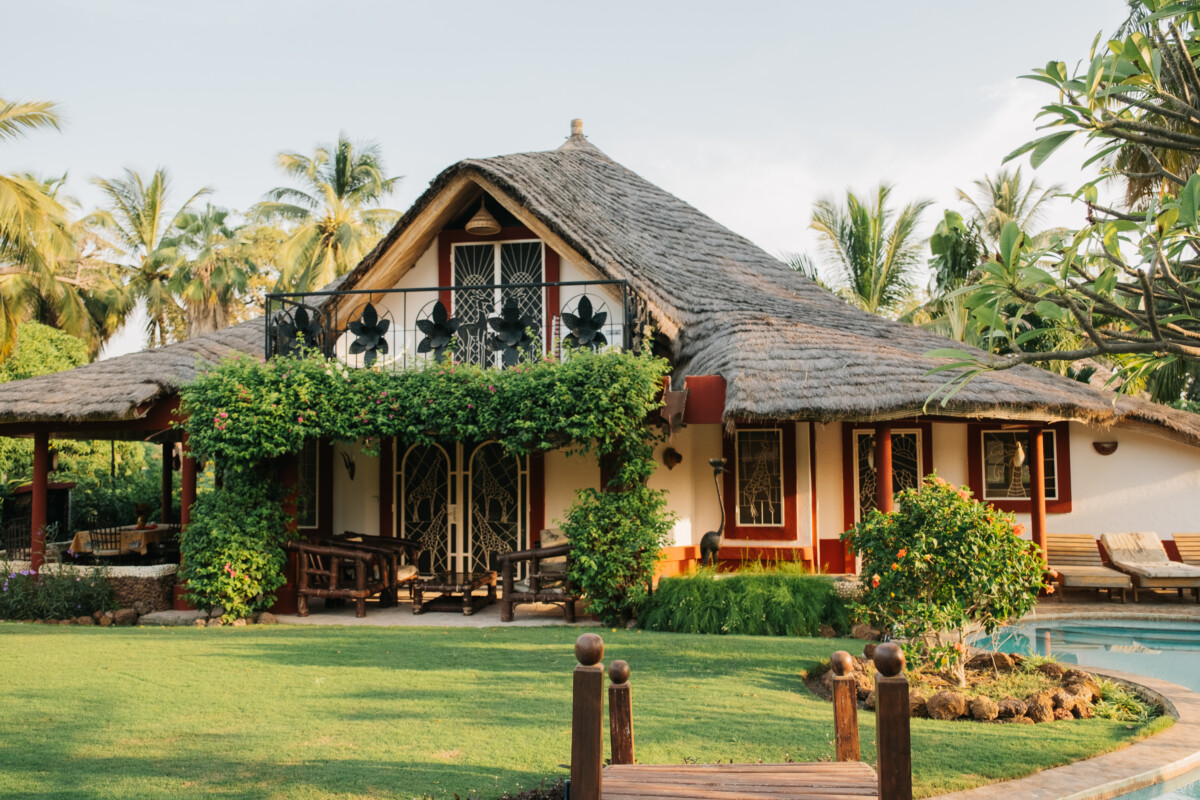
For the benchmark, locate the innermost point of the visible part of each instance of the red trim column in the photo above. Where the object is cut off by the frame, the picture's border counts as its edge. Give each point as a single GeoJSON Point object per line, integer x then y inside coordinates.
{"type": "Point", "coordinates": [187, 488]}
{"type": "Point", "coordinates": [41, 480]}
{"type": "Point", "coordinates": [883, 468]}
{"type": "Point", "coordinates": [168, 450]}
{"type": "Point", "coordinates": [1037, 488]}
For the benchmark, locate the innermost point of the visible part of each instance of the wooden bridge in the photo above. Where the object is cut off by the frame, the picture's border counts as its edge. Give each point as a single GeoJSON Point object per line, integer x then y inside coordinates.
{"type": "Point", "coordinates": [844, 779]}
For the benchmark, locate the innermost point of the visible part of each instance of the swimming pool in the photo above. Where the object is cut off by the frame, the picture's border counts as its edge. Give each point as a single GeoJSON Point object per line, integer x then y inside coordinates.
{"type": "Point", "coordinates": [1166, 650]}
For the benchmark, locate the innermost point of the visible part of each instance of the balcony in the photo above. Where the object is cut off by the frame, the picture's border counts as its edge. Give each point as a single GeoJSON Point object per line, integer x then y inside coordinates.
{"type": "Point", "coordinates": [490, 325]}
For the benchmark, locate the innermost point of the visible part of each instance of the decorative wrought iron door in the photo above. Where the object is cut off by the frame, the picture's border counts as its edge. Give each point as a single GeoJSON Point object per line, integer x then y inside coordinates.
{"type": "Point", "coordinates": [466, 504]}
{"type": "Point", "coordinates": [907, 466]}
{"type": "Point", "coordinates": [500, 264]}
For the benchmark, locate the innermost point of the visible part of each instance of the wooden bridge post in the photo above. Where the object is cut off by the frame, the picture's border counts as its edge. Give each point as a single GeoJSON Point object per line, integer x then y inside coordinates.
{"type": "Point", "coordinates": [620, 713]}
{"type": "Point", "coordinates": [845, 707]}
{"type": "Point", "coordinates": [587, 719]}
{"type": "Point", "coordinates": [892, 724]}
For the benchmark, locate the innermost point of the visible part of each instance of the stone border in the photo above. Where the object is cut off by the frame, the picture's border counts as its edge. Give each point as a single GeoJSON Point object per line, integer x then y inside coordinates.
{"type": "Point", "coordinates": [1162, 757]}
{"type": "Point", "coordinates": [1143, 616]}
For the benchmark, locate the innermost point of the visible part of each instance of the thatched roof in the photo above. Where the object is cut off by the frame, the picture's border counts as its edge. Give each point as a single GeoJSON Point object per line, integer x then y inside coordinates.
{"type": "Point", "coordinates": [787, 348]}
{"type": "Point", "coordinates": [123, 387]}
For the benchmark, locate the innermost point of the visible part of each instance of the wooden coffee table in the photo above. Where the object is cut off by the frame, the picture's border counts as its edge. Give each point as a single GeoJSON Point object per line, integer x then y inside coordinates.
{"type": "Point", "coordinates": [457, 592]}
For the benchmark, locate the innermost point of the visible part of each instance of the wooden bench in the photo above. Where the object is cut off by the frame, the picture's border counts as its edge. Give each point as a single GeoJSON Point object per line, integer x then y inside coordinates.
{"type": "Point", "coordinates": [323, 568]}
{"type": "Point", "coordinates": [545, 580]}
{"type": "Point", "coordinates": [845, 779]}
{"type": "Point", "coordinates": [1075, 559]}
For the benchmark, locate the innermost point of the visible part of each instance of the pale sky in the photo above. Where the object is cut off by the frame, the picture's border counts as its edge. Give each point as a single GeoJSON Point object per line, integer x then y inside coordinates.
{"type": "Point", "coordinates": [749, 111]}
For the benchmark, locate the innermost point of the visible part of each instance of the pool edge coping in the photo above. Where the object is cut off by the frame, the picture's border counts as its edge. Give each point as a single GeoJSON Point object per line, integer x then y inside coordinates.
{"type": "Point", "coordinates": [1123, 770]}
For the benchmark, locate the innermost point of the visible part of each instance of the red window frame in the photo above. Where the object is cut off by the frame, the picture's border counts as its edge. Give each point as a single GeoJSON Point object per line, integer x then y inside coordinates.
{"type": "Point", "coordinates": [786, 532]}
{"type": "Point", "coordinates": [1062, 458]}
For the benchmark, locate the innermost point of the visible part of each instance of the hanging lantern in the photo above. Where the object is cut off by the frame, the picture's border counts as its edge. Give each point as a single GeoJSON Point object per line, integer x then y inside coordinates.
{"type": "Point", "coordinates": [483, 223]}
{"type": "Point", "coordinates": [1018, 459]}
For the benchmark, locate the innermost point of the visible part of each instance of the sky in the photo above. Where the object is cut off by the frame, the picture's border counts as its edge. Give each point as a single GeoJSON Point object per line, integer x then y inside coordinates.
{"type": "Point", "coordinates": [749, 111]}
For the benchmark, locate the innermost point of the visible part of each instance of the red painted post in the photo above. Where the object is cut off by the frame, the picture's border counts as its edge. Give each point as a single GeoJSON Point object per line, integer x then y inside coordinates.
{"type": "Point", "coordinates": [187, 488]}
{"type": "Point", "coordinates": [845, 707]}
{"type": "Point", "coordinates": [168, 451]}
{"type": "Point", "coordinates": [587, 719]}
{"type": "Point", "coordinates": [620, 713]}
{"type": "Point", "coordinates": [41, 484]}
{"type": "Point", "coordinates": [892, 724]}
{"type": "Point", "coordinates": [1037, 488]}
{"type": "Point", "coordinates": [883, 468]}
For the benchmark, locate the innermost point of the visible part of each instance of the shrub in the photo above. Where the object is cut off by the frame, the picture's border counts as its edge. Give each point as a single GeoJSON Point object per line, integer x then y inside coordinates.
{"type": "Point", "coordinates": [1120, 702]}
{"type": "Point", "coordinates": [940, 563]}
{"type": "Point", "coordinates": [758, 603]}
{"type": "Point", "coordinates": [232, 550]}
{"type": "Point", "coordinates": [60, 594]}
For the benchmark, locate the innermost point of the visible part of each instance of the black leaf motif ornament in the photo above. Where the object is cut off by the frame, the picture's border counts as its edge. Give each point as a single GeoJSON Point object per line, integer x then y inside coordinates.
{"type": "Point", "coordinates": [439, 329]}
{"type": "Point", "coordinates": [585, 326]}
{"type": "Point", "coordinates": [297, 330]}
{"type": "Point", "coordinates": [369, 332]}
{"type": "Point", "coordinates": [512, 333]}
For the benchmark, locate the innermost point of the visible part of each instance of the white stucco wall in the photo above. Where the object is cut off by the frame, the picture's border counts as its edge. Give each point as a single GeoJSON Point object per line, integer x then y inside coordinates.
{"type": "Point", "coordinates": [355, 502]}
{"type": "Point", "coordinates": [950, 451]}
{"type": "Point", "coordinates": [564, 475]}
{"type": "Point", "coordinates": [830, 511]}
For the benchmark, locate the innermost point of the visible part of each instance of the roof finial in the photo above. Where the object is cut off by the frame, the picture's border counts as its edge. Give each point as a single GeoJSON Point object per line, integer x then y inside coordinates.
{"type": "Point", "coordinates": [577, 127]}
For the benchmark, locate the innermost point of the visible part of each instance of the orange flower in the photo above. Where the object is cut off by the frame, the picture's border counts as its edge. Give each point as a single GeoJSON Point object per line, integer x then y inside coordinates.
{"type": "Point", "coordinates": [903, 552]}
{"type": "Point", "coordinates": [875, 581]}
{"type": "Point", "coordinates": [1049, 588]}
{"type": "Point", "coordinates": [895, 565]}
{"type": "Point", "coordinates": [1018, 530]}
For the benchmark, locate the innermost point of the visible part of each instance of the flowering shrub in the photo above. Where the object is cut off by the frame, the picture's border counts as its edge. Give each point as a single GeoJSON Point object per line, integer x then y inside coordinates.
{"type": "Point", "coordinates": [58, 594]}
{"type": "Point", "coordinates": [940, 563]}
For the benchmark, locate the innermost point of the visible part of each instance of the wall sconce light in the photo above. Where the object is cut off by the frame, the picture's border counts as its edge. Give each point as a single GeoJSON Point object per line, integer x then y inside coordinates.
{"type": "Point", "coordinates": [177, 456]}
{"type": "Point", "coordinates": [672, 457]}
{"type": "Point", "coordinates": [348, 462]}
{"type": "Point", "coordinates": [1105, 448]}
{"type": "Point", "coordinates": [1018, 459]}
{"type": "Point", "coordinates": [53, 460]}
{"type": "Point", "coordinates": [483, 223]}
{"type": "Point", "coordinates": [871, 454]}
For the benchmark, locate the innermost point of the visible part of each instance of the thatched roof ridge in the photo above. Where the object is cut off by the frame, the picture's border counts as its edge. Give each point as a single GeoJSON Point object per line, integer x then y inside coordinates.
{"type": "Point", "coordinates": [787, 348]}
{"type": "Point", "coordinates": [122, 387]}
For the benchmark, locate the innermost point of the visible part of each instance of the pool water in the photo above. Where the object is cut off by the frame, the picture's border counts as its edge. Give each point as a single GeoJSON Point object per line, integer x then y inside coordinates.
{"type": "Point", "coordinates": [1169, 651]}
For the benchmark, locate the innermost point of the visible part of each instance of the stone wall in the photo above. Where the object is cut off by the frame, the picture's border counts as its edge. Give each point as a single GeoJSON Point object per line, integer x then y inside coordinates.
{"type": "Point", "coordinates": [151, 593]}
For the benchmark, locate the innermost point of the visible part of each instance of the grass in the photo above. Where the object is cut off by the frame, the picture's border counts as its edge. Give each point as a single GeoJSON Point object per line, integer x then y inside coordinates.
{"type": "Point", "coordinates": [370, 713]}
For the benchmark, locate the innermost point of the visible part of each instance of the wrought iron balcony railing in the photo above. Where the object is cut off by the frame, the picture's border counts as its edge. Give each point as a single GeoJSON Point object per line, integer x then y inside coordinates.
{"type": "Point", "coordinates": [490, 325]}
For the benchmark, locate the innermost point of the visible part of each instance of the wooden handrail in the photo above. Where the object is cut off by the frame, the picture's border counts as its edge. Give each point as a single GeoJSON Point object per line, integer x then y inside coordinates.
{"type": "Point", "coordinates": [538, 552]}
{"type": "Point", "coordinates": [845, 707]}
{"type": "Point", "coordinates": [893, 741]}
{"type": "Point", "coordinates": [587, 718]}
{"type": "Point", "coordinates": [620, 713]}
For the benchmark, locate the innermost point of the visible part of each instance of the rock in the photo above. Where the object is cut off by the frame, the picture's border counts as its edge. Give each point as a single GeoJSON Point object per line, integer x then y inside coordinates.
{"type": "Point", "coordinates": [946, 705]}
{"type": "Point", "coordinates": [869, 651]}
{"type": "Point", "coordinates": [125, 616]}
{"type": "Point", "coordinates": [105, 621]}
{"type": "Point", "coordinates": [869, 702]}
{"type": "Point", "coordinates": [266, 618]}
{"type": "Point", "coordinates": [1017, 720]}
{"type": "Point", "coordinates": [216, 612]}
{"type": "Point", "coordinates": [1082, 692]}
{"type": "Point", "coordinates": [1000, 662]}
{"type": "Point", "coordinates": [214, 622]}
{"type": "Point", "coordinates": [239, 623]}
{"type": "Point", "coordinates": [199, 622]}
{"type": "Point", "coordinates": [1052, 669]}
{"type": "Point", "coordinates": [66, 622]}
{"type": "Point", "coordinates": [1082, 709]}
{"type": "Point", "coordinates": [917, 705]}
{"type": "Point", "coordinates": [864, 631]}
{"type": "Point", "coordinates": [96, 615]}
{"type": "Point", "coordinates": [1017, 659]}
{"type": "Point", "coordinates": [1063, 699]}
{"type": "Point", "coordinates": [863, 685]}
{"type": "Point", "coordinates": [1081, 684]}
{"type": "Point", "coordinates": [85, 621]}
{"type": "Point", "coordinates": [1039, 708]}
{"type": "Point", "coordinates": [141, 607]}
{"type": "Point", "coordinates": [108, 614]}
{"type": "Point", "coordinates": [1063, 714]}
{"type": "Point", "coordinates": [826, 631]}
{"type": "Point", "coordinates": [1010, 707]}
{"type": "Point", "coordinates": [984, 709]}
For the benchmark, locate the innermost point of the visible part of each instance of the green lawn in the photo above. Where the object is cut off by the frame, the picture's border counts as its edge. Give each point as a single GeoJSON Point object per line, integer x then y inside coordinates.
{"type": "Point", "coordinates": [289, 712]}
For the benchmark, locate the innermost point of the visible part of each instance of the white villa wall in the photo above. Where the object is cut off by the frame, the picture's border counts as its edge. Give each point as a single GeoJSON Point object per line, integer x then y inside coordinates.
{"type": "Point", "coordinates": [355, 502]}
{"type": "Point", "coordinates": [564, 475]}
{"type": "Point", "coordinates": [950, 451]}
{"type": "Point", "coordinates": [829, 481]}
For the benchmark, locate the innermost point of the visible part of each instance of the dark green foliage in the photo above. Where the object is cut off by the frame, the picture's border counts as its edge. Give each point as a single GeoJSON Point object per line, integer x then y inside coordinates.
{"type": "Point", "coordinates": [41, 350]}
{"type": "Point", "coordinates": [56, 594]}
{"type": "Point", "coordinates": [769, 603]}
{"type": "Point", "coordinates": [100, 501]}
{"type": "Point", "coordinates": [232, 549]}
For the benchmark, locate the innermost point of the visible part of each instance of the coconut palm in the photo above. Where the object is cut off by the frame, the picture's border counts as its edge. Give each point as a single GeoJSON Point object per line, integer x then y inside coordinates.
{"type": "Point", "coordinates": [143, 239]}
{"type": "Point", "coordinates": [873, 249]}
{"type": "Point", "coordinates": [335, 218]}
{"type": "Point", "coordinates": [1005, 198]}
{"type": "Point", "coordinates": [212, 274]}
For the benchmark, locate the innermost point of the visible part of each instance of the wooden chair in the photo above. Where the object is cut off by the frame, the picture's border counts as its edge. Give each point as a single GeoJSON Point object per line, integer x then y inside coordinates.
{"type": "Point", "coordinates": [1142, 555]}
{"type": "Point", "coordinates": [399, 555]}
{"type": "Point", "coordinates": [105, 542]}
{"type": "Point", "coordinates": [1188, 545]}
{"type": "Point", "coordinates": [322, 571]}
{"type": "Point", "coordinates": [17, 540]}
{"type": "Point", "coordinates": [1076, 560]}
{"type": "Point", "coordinates": [545, 579]}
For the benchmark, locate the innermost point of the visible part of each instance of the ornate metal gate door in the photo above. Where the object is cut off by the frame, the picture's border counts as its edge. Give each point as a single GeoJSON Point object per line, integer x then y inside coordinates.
{"type": "Point", "coordinates": [907, 466]}
{"type": "Point", "coordinates": [496, 505]}
{"type": "Point", "coordinates": [425, 488]}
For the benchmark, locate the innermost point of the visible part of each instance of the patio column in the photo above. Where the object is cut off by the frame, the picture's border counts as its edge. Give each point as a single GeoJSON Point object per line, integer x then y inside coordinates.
{"type": "Point", "coordinates": [883, 468]}
{"type": "Point", "coordinates": [187, 489]}
{"type": "Point", "coordinates": [1037, 488]}
{"type": "Point", "coordinates": [168, 451]}
{"type": "Point", "coordinates": [41, 480]}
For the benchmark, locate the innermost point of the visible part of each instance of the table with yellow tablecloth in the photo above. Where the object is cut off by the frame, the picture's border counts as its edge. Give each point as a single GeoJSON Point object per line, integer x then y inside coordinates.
{"type": "Point", "coordinates": [132, 540]}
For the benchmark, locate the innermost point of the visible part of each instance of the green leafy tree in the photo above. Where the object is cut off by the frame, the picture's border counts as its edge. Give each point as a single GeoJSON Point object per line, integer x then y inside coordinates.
{"type": "Point", "coordinates": [1004, 198]}
{"type": "Point", "coordinates": [872, 248]}
{"type": "Point", "coordinates": [334, 219]}
{"type": "Point", "coordinates": [940, 564]}
{"type": "Point", "coordinates": [212, 273]}
{"type": "Point", "coordinates": [143, 237]}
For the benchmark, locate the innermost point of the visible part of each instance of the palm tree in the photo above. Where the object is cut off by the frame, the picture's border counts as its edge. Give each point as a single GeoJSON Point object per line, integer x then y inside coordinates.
{"type": "Point", "coordinates": [144, 242]}
{"type": "Point", "coordinates": [336, 217]}
{"type": "Point", "coordinates": [874, 249]}
{"type": "Point", "coordinates": [213, 274]}
{"type": "Point", "coordinates": [1007, 198]}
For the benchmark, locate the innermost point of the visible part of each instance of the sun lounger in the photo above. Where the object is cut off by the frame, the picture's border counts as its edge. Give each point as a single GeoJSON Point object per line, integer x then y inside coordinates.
{"type": "Point", "coordinates": [1188, 545]}
{"type": "Point", "coordinates": [1076, 559]}
{"type": "Point", "coordinates": [1143, 556]}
